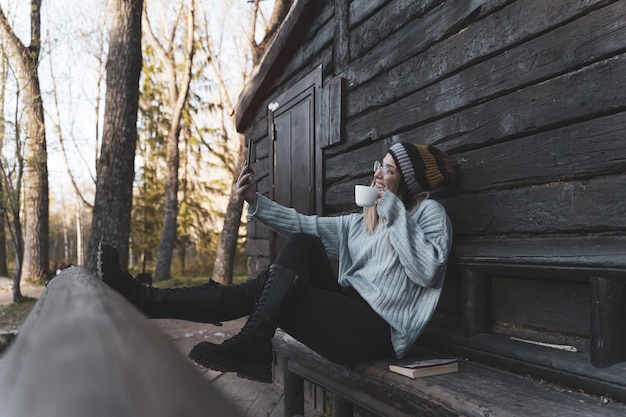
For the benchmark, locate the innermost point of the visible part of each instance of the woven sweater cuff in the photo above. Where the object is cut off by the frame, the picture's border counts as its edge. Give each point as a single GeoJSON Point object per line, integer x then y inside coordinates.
{"type": "Point", "coordinates": [252, 209]}
{"type": "Point", "coordinates": [386, 205]}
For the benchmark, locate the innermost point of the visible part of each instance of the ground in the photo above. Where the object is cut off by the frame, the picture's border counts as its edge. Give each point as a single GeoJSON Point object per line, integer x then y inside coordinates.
{"type": "Point", "coordinates": [28, 289]}
{"type": "Point", "coordinates": [11, 318]}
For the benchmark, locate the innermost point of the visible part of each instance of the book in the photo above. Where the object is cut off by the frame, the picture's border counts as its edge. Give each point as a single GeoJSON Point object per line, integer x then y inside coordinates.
{"type": "Point", "coordinates": [427, 367]}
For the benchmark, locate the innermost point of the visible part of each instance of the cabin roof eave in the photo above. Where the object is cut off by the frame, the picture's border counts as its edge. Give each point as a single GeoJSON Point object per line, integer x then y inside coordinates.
{"type": "Point", "coordinates": [264, 75]}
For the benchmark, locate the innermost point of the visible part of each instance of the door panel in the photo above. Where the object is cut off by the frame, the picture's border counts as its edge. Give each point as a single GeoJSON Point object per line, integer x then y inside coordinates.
{"type": "Point", "coordinates": [293, 144]}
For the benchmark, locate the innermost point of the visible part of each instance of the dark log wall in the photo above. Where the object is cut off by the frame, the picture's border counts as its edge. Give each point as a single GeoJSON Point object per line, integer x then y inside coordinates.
{"type": "Point", "coordinates": [529, 96]}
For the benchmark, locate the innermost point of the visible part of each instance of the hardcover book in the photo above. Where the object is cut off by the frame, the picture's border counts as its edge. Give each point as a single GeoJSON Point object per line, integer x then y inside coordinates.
{"type": "Point", "coordinates": [427, 367]}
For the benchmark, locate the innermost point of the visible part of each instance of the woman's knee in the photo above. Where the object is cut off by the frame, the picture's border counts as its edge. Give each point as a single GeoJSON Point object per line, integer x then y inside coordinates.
{"type": "Point", "coordinates": [304, 239]}
{"type": "Point", "coordinates": [306, 255]}
{"type": "Point", "coordinates": [300, 245]}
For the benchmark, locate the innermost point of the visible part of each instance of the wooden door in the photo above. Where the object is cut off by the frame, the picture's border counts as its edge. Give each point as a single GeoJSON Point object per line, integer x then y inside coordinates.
{"type": "Point", "coordinates": [293, 146]}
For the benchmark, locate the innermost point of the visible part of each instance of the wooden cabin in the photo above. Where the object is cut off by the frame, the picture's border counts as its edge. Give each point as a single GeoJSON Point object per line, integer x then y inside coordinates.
{"type": "Point", "coordinates": [529, 97]}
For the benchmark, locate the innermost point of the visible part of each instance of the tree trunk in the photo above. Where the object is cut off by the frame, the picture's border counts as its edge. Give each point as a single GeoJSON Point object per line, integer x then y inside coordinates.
{"type": "Point", "coordinates": [227, 246]}
{"type": "Point", "coordinates": [116, 167]}
{"type": "Point", "coordinates": [18, 243]}
{"type": "Point", "coordinates": [170, 218]}
{"type": "Point", "coordinates": [26, 59]}
{"type": "Point", "coordinates": [4, 271]}
{"type": "Point", "coordinates": [178, 101]}
{"type": "Point", "coordinates": [35, 266]}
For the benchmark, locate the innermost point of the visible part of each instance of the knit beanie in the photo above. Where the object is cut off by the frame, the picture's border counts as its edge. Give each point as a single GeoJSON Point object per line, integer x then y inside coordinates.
{"type": "Point", "coordinates": [422, 167]}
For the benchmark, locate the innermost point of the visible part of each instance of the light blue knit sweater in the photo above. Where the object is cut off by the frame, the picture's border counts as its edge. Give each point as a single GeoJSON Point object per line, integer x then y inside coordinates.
{"type": "Point", "coordinates": [398, 270]}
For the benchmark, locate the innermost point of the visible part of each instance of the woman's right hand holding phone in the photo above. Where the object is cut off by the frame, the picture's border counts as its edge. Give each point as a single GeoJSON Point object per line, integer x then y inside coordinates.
{"type": "Point", "coordinates": [246, 185]}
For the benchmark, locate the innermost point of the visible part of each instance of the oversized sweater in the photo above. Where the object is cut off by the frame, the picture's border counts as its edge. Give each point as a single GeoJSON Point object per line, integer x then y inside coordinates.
{"type": "Point", "coordinates": [398, 270]}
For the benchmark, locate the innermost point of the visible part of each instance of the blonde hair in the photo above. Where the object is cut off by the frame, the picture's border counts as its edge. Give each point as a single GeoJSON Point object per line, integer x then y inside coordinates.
{"type": "Point", "coordinates": [411, 202]}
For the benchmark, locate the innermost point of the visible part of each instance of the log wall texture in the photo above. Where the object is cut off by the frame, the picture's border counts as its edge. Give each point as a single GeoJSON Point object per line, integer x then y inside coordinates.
{"type": "Point", "coordinates": [529, 97]}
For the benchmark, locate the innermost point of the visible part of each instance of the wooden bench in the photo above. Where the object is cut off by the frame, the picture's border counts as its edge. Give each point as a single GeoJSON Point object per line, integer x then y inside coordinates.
{"type": "Point", "coordinates": [476, 390]}
{"type": "Point", "coordinates": [495, 380]}
{"type": "Point", "coordinates": [84, 351]}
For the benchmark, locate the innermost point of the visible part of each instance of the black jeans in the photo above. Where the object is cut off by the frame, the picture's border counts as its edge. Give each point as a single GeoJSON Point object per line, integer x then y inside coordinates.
{"type": "Point", "coordinates": [334, 322]}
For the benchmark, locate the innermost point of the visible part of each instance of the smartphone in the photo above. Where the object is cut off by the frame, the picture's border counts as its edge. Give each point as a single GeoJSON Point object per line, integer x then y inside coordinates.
{"type": "Point", "coordinates": [249, 152]}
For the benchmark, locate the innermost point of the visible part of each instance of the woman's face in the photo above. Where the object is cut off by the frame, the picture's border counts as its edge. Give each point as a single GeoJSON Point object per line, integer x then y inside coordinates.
{"type": "Point", "coordinates": [387, 177]}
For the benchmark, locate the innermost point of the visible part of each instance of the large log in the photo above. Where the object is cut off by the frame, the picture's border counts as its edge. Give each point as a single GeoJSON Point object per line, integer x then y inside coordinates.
{"type": "Point", "coordinates": [85, 351]}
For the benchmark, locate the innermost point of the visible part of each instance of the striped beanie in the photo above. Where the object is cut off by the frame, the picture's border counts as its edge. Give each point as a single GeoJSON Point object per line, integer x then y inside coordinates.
{"type": "Point", "coordinates": [422, 167]}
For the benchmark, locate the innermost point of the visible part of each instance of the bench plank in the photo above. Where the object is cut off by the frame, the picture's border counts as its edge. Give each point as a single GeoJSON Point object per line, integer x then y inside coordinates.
{"type": "Point", "coordinates": [476, 390]}
{"type": "Point", "coordinates": [85, 351]}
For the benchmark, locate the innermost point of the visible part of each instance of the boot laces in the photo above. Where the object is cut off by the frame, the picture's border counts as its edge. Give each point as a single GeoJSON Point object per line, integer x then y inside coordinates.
{"type": "Point", "coordinates": [251, 323]}
{"type": "Point", "coordinates": [193, 288]}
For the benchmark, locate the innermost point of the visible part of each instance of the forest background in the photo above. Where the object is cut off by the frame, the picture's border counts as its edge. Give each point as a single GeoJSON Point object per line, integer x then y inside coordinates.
{"type": "Point", "coordinates": [70, 137]}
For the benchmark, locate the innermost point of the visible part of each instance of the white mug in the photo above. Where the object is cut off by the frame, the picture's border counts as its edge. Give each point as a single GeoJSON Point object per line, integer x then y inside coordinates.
{"type": "Point", "coordinates": [365, 196]}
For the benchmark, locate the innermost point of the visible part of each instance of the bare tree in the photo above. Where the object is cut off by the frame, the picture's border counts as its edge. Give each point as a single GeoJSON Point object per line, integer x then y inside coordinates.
{"type": "Point", "coordinates": [58, 70]}
{"type": "Point", "coordinates": [12, 175]}
{"type": "Point", "coordinates": [12, 186]}
{"type": "Point", "coordinates": [226, 250]}
{"type": "Point", "coordinates": [59, 131]}
{"type": "Point", "coordinates": [26, 61]}
{"type": "Point", "coordinates": [227, 245]}
{"type": "Point", "coordinates": [4, 271]}
{"type": "Point", "coordinates": [178, 90]}
{"type": "Point", "coordinates": [281, 7]}
{"type": "Point", "coordinates": [116, 167]}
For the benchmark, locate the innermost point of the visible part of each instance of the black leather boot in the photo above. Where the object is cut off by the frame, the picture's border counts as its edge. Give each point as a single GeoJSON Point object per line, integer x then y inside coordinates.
{"type": "Point", "coordinates": [249, 353]}
{"type": "Point", "coordinates": [208, 303]}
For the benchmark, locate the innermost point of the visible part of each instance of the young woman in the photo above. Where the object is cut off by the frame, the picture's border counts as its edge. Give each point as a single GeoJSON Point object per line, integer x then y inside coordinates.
{"type": "Point", "coordinates": [392, 262]}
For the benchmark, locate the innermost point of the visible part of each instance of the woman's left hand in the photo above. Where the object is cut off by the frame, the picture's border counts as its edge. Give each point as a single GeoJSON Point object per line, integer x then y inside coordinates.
{"type": "Point", "coordinates": [381, 193]}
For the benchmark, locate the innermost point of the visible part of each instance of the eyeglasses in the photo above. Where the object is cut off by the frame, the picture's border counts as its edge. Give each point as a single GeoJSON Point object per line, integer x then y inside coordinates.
{"type": "Point", "coordinates": [386, 170]}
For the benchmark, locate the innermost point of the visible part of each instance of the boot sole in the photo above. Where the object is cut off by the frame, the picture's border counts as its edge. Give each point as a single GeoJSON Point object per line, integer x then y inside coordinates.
{"type": "Point", "coordinates": [248, 369]}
